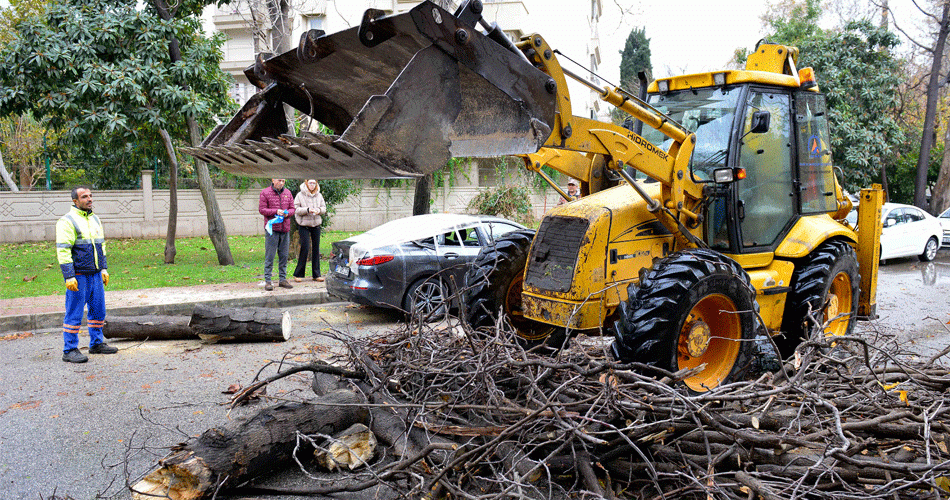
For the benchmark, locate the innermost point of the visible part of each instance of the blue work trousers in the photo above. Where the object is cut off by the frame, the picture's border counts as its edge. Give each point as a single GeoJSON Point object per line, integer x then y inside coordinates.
{"type": "Point", "coordinates": [91, 293]}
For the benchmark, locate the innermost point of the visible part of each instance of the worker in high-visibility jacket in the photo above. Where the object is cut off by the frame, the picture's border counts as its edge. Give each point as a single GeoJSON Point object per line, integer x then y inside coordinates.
{"type": "Point", "coordinates": [81, 251]}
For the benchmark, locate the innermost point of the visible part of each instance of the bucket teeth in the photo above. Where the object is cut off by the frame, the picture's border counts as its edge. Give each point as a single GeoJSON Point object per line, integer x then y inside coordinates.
{"type": "Point", "coordinates": [305, 157]}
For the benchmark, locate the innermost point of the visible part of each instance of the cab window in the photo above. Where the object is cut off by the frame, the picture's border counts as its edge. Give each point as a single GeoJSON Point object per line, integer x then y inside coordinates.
{"type": "Point", "coordinates": [815, 170]}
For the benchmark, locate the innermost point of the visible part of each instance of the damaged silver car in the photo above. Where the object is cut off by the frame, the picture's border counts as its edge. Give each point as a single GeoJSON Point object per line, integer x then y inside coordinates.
{"type": "Point", "coordinates": [414, 264]}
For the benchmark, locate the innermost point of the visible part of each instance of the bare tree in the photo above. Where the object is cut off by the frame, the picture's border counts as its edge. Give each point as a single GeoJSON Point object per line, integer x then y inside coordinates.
{"type": "Point", "coordinates": [933, 96]}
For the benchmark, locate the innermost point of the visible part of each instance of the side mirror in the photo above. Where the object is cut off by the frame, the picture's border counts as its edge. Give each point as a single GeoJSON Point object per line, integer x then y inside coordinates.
{"type": "Point", "coordinates": [760, 122]}
{"type": "Point", "coordinates": [890, 222]}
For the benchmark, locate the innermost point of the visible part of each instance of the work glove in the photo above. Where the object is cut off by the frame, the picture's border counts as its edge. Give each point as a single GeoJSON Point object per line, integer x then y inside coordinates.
{"type": "Point", "coordinates": [105, 277]}
{"type": "Point", "coordinates": [72, 284]}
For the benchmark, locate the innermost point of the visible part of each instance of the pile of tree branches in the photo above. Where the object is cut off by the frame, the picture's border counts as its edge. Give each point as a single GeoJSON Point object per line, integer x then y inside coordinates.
{"type": "Point", "coordinates": [467, 414]}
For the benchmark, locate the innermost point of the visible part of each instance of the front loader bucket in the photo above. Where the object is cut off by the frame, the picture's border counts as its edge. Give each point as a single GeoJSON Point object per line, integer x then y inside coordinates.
{"type": "Point", "coordinates": [402, 94]}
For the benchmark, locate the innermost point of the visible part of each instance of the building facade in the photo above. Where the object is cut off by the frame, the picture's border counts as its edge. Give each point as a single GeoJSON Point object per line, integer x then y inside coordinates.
{"type": "Point", "coordinates": [251, 28]}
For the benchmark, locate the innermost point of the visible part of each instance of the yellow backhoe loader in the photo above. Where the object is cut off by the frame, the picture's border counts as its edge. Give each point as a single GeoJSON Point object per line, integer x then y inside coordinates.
{"type": "Point", "coordinates": [714, 218]}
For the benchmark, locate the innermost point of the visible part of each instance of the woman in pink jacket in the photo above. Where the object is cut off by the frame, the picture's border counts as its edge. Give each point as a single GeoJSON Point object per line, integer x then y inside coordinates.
{"type": "Point", "coordinates": [310, 207]}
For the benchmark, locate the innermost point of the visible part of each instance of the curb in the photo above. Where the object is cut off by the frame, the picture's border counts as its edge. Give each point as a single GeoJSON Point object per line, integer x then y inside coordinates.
{"type": "Point", "coordinates": [43, 321]}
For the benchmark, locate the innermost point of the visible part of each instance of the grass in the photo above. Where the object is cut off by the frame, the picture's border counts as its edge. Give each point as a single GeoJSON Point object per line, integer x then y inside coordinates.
{"type": "Point", "coordinates": [31, 269]}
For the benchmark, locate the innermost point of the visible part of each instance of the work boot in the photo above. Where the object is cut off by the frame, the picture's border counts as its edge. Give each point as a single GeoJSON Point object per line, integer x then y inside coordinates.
{"type": "Point", "coordinates": [268, 286]}
{"type": "Point", "coordinates": [103, 348]}
{"type": "Point", "coordinates": [74, 356]}
{"type": "Point", "coordinates": [285, 284]}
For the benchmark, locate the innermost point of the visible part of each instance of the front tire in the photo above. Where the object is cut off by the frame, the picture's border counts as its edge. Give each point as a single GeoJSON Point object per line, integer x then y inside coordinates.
{"type": "Point", "coordinates": [930, 251]}
{"type": "Point", "coordinates": [693, 307]}
{"type": "Point", "coordinates": [494, 283]}
{"type": "Point", "coordinates": [827, 281]}
{"type": "Point", "coordinates": [427, 299]}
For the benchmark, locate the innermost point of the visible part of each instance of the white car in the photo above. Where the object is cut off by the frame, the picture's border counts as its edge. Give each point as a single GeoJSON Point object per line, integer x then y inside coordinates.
{"type": "Point", "coordinates": [907, 231]}
{"type": "Point", "coordinates": [944, 219]}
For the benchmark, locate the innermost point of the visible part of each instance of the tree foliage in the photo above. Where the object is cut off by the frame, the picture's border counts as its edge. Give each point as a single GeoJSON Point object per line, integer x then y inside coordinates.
{"type": "Point", "coordinates": [634, 58]}
{"type": "Point", "coordinates": [99, 72]}
{"type": "Point", "coordinates": [860, 75]}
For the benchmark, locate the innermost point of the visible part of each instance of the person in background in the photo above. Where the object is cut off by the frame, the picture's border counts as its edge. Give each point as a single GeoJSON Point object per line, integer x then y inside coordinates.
{"type": "Point", "coordinates": [310, 207]}
{"type": "Point", "coordinates": [81, 252]}
{"type": "Point", "coordinates": [276, 202]}
{"type": "Point", "coordinates": [572, 191]}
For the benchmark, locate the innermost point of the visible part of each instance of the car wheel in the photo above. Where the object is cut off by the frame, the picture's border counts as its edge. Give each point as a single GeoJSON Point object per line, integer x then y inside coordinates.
{"type": "Point", "coordinates": [494, 283]}
{"type": "Point", "coordinates": [427, 299]}
{"type": "Point", "coordinates": [827, 281]}
{"type": "Point", "coordinates": [695, 307]}
{"type": "Point", "coordinates": [930, 251]}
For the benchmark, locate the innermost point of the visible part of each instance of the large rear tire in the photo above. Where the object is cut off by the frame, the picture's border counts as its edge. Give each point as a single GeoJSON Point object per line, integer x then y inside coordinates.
{"type": "Point", "coordinates": [494, 283]}
{"type": "Point", "coordinates": [693, 307]}
{"type": "Point", "coordinates": [827, 281]}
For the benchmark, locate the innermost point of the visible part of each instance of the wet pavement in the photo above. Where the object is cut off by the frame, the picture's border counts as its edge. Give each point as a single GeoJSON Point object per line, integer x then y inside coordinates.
{"type": "Point", "coordinates": [82, 430]}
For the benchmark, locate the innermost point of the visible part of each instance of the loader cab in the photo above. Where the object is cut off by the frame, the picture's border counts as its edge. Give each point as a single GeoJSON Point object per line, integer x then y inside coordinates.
{"type": "Point", "coordinates": [775, 139]}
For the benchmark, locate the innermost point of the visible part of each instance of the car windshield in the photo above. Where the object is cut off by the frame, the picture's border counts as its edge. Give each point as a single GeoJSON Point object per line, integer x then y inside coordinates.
{"type": "Point", "coordinates": [709, 113]}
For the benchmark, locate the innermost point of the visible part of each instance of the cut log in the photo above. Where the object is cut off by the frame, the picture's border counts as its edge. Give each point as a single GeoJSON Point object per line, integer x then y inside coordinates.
{"type": "Point", "coordinates": [148, 328]}
{"type": "Point", "coordinates": [244, 449]}
{"type": "Point", "coordinates": [248, 324]}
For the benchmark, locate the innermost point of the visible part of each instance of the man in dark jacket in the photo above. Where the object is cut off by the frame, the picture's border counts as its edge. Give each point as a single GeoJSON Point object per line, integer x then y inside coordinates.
{"type": "Point", "coordinates": [81, 251]}
{"type": "Point", "coordinates": [276, 202]}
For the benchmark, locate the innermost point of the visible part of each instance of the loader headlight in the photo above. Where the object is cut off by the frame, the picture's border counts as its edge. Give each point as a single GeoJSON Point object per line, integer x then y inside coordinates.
{"type": "Point", "coordinates": [719, 79]}
{"type": "Point", "coordinates": [663, 86]}
{"type": "Point", "coordinates": [724, 175]}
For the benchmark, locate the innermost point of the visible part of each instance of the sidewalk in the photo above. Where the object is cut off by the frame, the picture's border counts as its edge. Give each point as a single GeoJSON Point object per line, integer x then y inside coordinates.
{"type": "Point", "coordinates": [41, 313]}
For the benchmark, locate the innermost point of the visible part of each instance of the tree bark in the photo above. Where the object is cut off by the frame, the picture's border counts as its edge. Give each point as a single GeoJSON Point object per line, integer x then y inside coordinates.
{"type": "Point", "coordinates": [7, 179]}
{"type": "Point", "coordinates": [172, 197]}
{"type": "Point", "coordinates": [148, 327]}
{"type": "Point", "coordinates": [216, 229]}
{"type": "Point", "coordinates": [241, 450]}
{"type": "Point", "coordinates": [248, 324]}
{"type": "Point", "coordinates": [420, 203]}
{"type": "Point", "coordinates": [940, 196]}
{"type": "Point", "coordinates": [933, 96]}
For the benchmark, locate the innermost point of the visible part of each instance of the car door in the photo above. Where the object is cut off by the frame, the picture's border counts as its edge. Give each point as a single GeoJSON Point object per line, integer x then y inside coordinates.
{"type": "Point", "coordinates": [456, 250]}
{"type": "Point", "coordinates": [916, 230]}
{"type": "Point", "coordinates": [893, 242]}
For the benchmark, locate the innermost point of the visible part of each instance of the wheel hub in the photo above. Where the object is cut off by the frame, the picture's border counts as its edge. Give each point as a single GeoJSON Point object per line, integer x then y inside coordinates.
{"type": "Point", "coordinates": [697, 337]}
{"type": "Point", "coordinates": [831, 311]}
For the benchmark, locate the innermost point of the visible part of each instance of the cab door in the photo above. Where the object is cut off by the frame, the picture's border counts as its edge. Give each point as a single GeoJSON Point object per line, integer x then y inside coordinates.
{"type": "Point", "coordinates": [766, 197]}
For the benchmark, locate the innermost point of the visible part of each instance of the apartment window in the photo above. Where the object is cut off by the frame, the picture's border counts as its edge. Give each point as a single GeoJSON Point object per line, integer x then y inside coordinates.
{"type": "Point", "coordinates": [315, 23]}
{"type": "Point", "coordinates": [241, 92]}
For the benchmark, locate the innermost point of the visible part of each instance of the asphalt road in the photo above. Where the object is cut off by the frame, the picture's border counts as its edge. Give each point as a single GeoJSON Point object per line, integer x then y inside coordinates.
{"type": "Point", "coordinates": [82, 430]}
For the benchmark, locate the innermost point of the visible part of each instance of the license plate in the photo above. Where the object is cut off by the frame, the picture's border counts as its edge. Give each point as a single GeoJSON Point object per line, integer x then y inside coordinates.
{"type": "Point", "coordinates": [343, 270]}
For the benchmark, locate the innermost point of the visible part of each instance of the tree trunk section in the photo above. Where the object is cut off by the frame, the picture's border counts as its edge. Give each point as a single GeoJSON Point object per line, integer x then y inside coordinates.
{"type": "Point", "coordinates": [148, 328]}
{"type": "Point", "coordinates": [245, 449]}
{"type": "Point", "coordinates": [420, 203]}
{"type": "Point", "coordinates": [940, 196]}
{"type": "Point", "coordinates": [933, 96]}
{"type": "Point", "coordinates": [7, 179]}
{"type": "Point", "coordinates": [216, 229]}
{"type": "Point", "coordinates": [172, 197]}
{"type": "Point", "coordinates": [248, 324]}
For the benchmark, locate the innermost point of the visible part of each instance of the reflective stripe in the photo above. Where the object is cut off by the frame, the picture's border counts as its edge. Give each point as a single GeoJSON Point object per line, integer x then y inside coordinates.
{"type": "Point", "coordinates": [63, 245]}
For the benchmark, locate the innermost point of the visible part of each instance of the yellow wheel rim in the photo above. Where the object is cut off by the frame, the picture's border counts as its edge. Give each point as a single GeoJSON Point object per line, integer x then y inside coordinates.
{"type": "Point", "coordinates": [838, 302]}
{"type": "Point", "coordinates": [711, 334]}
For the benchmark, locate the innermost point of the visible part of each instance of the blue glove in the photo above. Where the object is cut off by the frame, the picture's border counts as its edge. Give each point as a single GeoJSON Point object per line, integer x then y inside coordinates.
{"type": "Point", "coordinates": [269, 228]}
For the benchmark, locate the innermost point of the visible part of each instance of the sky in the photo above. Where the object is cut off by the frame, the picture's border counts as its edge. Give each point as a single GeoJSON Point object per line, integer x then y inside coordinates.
{"type": "Point", "coordinates": [686, 36]}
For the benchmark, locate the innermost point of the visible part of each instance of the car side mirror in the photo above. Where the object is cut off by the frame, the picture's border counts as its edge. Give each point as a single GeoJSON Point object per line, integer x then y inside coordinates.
{"type": "Point", "coordinates": [890, 222]}
{"type": "Point", "coordinates": [760, 122]}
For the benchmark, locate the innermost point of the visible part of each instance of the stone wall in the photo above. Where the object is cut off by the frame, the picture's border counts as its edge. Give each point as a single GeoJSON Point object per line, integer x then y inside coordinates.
{"type": "Point", "coordinates": [32, 215]}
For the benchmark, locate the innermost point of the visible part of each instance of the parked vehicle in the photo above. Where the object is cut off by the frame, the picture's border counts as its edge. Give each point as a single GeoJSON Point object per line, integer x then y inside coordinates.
{"type": "Point", "coordinates": [944, 219]}
{"type": "Point", "coordinates": [908, 231]}
{"type": "Point", "coordinates": [413, 264]}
